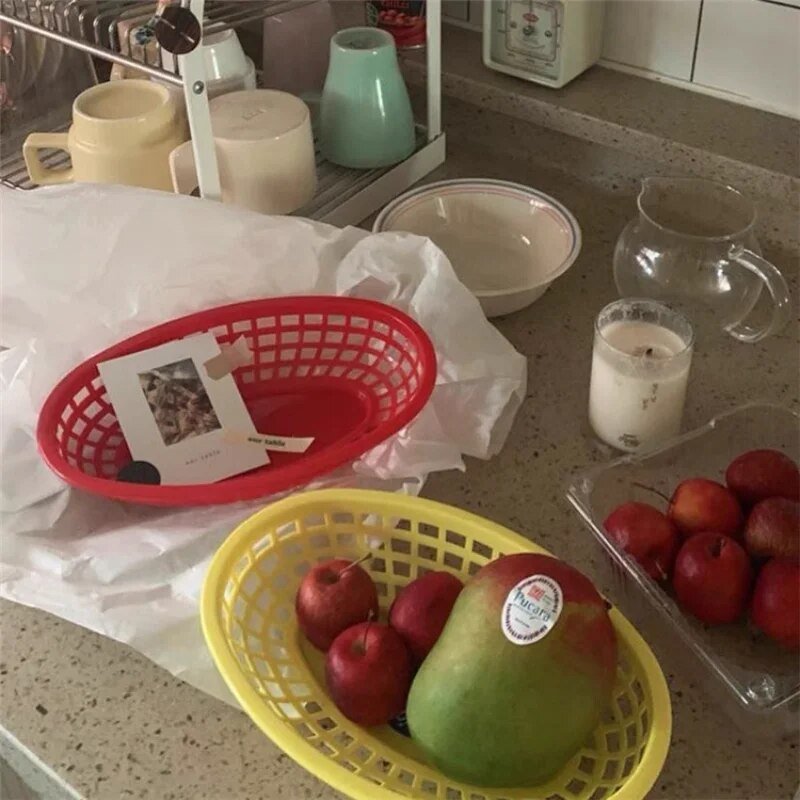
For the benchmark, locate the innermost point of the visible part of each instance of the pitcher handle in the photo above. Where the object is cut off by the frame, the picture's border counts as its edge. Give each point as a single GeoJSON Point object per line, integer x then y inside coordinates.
{"type": "Point", "coordinates": [38, 172]}
{"type": "Point", "coordinates": [779, 291]}
{"type": "Point", "coordinates": [182, 169]}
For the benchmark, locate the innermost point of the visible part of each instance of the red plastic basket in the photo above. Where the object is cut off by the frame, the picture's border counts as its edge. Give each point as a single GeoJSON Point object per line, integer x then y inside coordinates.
{"type": "Point", "coordinates": [348, 372]}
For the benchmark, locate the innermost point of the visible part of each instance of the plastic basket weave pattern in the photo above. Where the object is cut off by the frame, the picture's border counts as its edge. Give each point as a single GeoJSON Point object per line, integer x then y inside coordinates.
{"type": "Point", "coordinates": [349, 372]}
{"type": "Point", "coordinates": [250, 627]}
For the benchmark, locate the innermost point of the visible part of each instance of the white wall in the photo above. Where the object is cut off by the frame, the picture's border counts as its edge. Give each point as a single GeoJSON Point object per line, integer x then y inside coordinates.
{"type": "Point", "coordinates": [658, 35]}
{"type": "Point", "coordinates": [751, 49]}
{"type": "Point", "coordinates": [745, 50]}
{"type": "Point", "coordinates": [465, 13]}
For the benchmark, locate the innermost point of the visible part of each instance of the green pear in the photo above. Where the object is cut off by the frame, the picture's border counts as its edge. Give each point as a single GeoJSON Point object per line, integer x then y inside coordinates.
{"type": "Point", "coordinates": [519, 677]}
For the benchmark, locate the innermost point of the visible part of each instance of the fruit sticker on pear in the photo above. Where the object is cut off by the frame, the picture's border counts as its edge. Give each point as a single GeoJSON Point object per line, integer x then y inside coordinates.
{"type": "Point", "coordinates": [531, 609]}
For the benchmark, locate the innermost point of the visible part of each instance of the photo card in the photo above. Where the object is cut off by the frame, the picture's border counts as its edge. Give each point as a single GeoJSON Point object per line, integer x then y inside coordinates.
{"type": "Point", "coordinates": [178, 418]}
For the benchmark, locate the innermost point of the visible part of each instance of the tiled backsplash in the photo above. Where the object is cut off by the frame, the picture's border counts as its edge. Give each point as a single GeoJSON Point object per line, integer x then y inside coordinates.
{"type": "Point", "coordinates": [463, 12]}
{"type": "Point", "coordinates": [745, 50]}
{"type": "Point", "coordinates": [655, 35]}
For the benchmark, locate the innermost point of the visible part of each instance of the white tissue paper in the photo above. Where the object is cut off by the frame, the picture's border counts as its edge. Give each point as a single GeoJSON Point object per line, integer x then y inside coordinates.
{"type": "Point", "coordinates": [85, 266]}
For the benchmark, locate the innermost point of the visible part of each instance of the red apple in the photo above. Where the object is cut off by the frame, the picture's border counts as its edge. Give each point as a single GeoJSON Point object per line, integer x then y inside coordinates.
{"type": "Point", "coordinates": [646, 534]}
{"type": "Point", "coordinates": [759, 474]}
{"type": "Point", "coordinates": [775, 606]}
{"type": "Point", "coordinates": [333, 596]}
{"type": "Point", "coordinates": [421, 608]}
{"type": "Point", "coordinates": [368, 673]}
{"type": "Point", "coordinates": [699, 504]}
{"type": "Point", "coordinates": [773, 529]}
{"type": "Point", "coordinates": [712, 577]}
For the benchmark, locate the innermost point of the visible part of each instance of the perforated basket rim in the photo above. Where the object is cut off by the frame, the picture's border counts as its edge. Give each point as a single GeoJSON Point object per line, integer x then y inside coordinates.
{"type": "Point", "coordinates": [245, 487]}
{"type": "Point", "coordinates": [636, 785]}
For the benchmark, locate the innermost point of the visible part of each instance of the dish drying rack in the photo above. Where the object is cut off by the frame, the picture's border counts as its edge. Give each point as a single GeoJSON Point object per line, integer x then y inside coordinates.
{"type": "Point", "coordinates": [344, 196]}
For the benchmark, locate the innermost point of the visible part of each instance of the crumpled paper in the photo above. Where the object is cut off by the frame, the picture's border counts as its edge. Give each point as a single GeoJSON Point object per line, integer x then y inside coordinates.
{"type": "Point", "coordinates": [85, 266]}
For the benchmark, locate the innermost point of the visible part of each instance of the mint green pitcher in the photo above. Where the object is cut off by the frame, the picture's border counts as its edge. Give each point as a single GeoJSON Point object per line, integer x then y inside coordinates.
{"type": "Point", "coordinates": [365, 116]}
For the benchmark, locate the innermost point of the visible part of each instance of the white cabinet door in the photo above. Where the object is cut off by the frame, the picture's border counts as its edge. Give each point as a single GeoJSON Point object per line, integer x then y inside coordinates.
{"type": "Point", "coordinates": [751, 48]}
{"type": "Point", "coordinates": [656, 35]}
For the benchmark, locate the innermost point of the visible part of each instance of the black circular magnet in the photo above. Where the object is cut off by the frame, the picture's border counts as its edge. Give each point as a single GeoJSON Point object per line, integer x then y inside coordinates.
{"type": "Point", "coordinates": [178, 31]}
{"type": "Point", "coordinates": [139, 472]}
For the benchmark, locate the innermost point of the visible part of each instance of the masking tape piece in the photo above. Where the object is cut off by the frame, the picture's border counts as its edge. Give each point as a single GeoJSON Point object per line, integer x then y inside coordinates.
{"type": "Point", "coordinates": [231, 357]}
{"type": "Point", "coordinates": [282, 444]}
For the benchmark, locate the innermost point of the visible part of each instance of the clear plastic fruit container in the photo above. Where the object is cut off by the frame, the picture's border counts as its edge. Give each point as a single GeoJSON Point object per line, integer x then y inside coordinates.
{"type": "Point", "coordinates": [757, 682]}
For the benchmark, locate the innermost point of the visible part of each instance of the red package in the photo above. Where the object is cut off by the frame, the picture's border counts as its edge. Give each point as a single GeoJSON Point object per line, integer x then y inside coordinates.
{"type": "Point", "coordinates": [404, 19]}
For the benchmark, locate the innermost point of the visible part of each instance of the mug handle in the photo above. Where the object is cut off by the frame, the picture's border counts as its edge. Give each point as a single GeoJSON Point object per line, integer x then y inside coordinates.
{"type": "Point", "coordinates": [38, 172]}
{"type": "Point", "coordinates": [779, 291]}
{"type": "Point", "coordinates": [182, 169]}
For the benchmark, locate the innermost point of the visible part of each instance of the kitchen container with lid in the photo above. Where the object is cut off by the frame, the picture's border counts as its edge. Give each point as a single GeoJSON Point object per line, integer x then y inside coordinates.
{"type": "Point", "coordinates": [755, 681]}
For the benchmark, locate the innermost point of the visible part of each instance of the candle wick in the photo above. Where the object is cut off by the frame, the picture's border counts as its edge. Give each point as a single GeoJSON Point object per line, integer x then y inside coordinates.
{"type": "Point", "coordinates": [649, 351]}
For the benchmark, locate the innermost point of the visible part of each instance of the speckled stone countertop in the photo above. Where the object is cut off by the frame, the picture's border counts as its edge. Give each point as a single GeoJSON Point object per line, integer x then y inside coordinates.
{"type": "Point", "coordinates": [113, 725]}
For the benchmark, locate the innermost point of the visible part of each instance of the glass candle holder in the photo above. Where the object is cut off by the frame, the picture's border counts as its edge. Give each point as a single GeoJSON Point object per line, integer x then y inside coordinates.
{"type": "Point", "coordinates": [640, 369]}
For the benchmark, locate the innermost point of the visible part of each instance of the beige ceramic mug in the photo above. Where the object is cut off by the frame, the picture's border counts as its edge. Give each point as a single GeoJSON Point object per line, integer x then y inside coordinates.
{"type": "Point", "coordinates": [265, 152]}
{"type": "Point", "coordinates": [122, 132]}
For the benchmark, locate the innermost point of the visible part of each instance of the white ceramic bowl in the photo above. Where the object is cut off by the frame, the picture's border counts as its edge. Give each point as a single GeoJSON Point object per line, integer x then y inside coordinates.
{"type": "Point", "coordinates": [506, 242]}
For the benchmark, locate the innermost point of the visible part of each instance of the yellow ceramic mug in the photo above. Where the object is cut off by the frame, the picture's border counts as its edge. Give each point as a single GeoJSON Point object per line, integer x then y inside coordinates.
{"type": "Point", "coordinates": [122, 132]}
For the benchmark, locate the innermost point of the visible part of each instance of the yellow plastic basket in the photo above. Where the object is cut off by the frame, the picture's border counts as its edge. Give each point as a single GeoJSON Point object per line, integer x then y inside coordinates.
{"type": "Point", "coordinates": [250, 627]}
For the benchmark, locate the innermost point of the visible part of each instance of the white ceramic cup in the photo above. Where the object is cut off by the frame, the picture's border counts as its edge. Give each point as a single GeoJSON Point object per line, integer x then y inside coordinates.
{"type": "Point", "coordinates": [247, 80]}
{"type": "Point", "coordinates": [227, 67]}
{"type": "Point", "coordinates": [224, 60]}
{"type": "Point", "coordinates": [265, 152]}
{"type": "Point", "coordinates": [224, 56]}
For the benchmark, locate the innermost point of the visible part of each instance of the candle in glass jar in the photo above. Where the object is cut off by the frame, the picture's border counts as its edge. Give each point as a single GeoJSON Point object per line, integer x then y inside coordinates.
{"type": "Point", "coordinates": [640, 368]}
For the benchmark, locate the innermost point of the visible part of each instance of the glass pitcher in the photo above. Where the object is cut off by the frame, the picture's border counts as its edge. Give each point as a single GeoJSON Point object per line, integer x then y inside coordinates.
{"type": "Point", "coordinates": [693, 245]}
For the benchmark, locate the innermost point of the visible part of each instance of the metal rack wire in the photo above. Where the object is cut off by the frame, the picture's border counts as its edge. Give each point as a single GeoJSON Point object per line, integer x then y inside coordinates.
{"type": "Point", "coordinates": [95, 27]}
